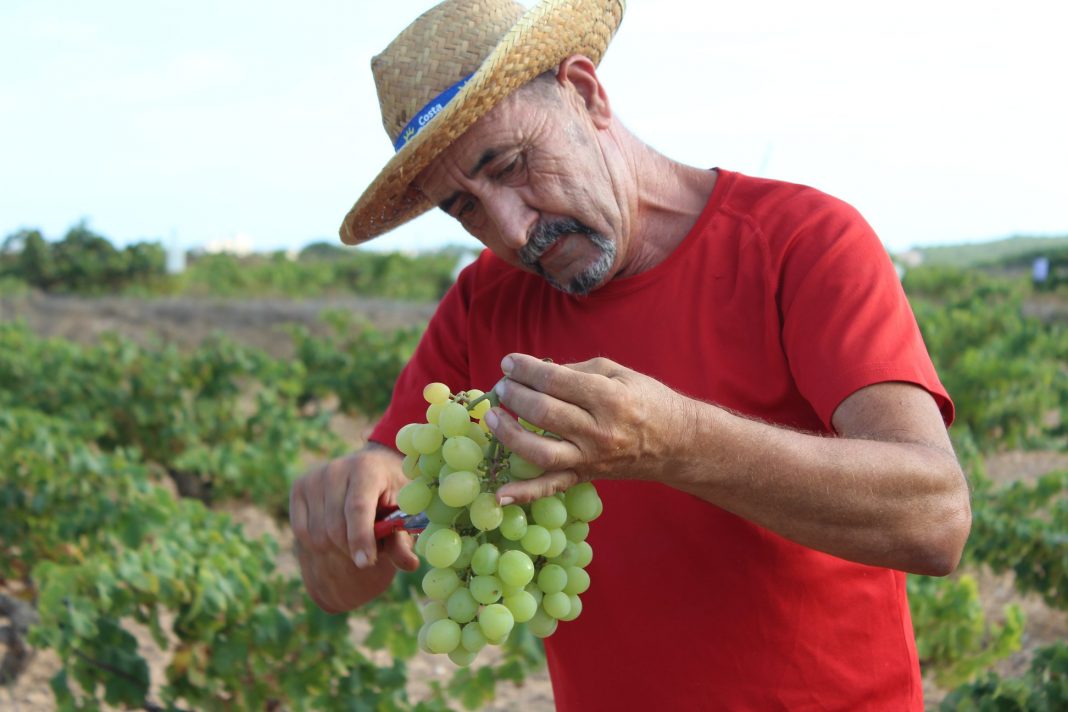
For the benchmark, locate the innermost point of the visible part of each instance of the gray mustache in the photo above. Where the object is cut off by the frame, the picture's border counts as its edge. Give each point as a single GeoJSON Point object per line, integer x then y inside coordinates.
{"type": "Point", "coordinates": [546, 234]}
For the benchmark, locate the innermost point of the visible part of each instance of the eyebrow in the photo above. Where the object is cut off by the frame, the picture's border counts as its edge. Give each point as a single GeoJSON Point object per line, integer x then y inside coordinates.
{"type": "Point", "coordinates": [488, 155]}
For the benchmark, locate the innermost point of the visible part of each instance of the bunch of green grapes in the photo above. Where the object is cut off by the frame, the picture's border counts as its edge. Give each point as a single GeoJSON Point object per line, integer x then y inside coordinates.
{"type": "Point", "coordinates": [493, 566]}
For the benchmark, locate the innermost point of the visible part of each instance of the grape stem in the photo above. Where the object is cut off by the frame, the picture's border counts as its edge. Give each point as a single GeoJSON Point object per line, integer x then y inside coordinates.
{"type": "Point", "coordinates": [491, 396]}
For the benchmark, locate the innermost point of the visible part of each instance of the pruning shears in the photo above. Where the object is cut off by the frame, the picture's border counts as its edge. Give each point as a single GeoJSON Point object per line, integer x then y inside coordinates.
{"type": "Point", "coordinates": [392, 519]}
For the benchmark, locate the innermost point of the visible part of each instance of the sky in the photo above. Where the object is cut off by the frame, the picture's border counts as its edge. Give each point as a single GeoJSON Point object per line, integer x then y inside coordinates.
{"type": "Point", "coordinates": [942, 121]}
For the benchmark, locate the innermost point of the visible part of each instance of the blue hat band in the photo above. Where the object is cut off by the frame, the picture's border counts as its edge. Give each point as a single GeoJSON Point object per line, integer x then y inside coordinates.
{"type": "Point", "coordinates": [428, 112]}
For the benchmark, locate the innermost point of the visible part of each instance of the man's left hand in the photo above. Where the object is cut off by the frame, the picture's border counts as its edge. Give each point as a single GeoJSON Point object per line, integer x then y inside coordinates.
{"type": "Point", "coordinates": [607, 421]}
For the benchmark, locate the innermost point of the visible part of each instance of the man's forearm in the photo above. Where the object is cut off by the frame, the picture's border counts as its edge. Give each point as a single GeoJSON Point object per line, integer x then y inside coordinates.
{"type": "Point", "coordinates": [902, 505]}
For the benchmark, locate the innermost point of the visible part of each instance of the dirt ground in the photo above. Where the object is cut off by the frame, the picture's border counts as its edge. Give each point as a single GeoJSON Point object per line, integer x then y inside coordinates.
{"type": "Point", "coordinates": [186, 322]}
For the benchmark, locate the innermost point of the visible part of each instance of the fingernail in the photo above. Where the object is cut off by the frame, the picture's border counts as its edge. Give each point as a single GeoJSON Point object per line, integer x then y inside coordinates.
{"type": "Point", "coordinates": [507, 364]}
{"type": "Point", "coordinates": [505, 501]}
{"type": "Point", "coordinates": [492, 420]}
{"type": "Point", "coordinates": [502, 387]}
{"type": "Point", "coordinates": [360, 559]}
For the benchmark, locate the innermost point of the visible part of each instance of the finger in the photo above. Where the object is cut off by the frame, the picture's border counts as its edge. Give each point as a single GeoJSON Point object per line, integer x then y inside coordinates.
{"type": "Point", "coordinates": [361, 502]}
{"type": "Point", "coordinates": [334, 496]}
{"type": "Point", "coordinates": [565, 383]}
{"type": "Point", "coordinates": [398, 548]}
{"type": "Point", "coordinates": [557, 453]}
{"type": "Point", "coordinates": [541, 409]}
{"type": "Point", "coordinates": [298, 512]}
{"type": "Point", "coordinates": [314, 486]}
{"type": "Point", "coordinates": [524, 491]}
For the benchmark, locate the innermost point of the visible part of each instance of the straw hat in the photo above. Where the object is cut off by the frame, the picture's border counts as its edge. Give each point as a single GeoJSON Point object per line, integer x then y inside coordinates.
{"type": "Point", "coordinates": [449, 68]}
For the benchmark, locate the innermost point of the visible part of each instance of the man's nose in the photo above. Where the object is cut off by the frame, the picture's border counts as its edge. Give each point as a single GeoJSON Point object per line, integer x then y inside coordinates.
{"type": "Point", "coordinates": [512, 217]}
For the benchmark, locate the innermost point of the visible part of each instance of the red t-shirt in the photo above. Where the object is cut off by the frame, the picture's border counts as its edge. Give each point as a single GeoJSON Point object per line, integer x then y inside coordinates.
{"type": "Point", "coordinates": [779, 303]}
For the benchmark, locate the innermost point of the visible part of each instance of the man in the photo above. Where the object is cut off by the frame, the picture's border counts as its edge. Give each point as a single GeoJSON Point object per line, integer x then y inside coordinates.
{"type": "Point", "coordinates": [735, 364]}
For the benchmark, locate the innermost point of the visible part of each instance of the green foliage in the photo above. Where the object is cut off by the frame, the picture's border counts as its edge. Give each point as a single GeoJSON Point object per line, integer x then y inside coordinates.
{"type": "Point", "coordinates": [356, 363]}
{"type": "Point", "coordinates": [82, 262]}
{"type": "Point", "coordinates": [1044, 688]}
{"type": "Point", "coordinates": [953, 637]}
{"type": "Point", "coordinates": [1006, 373]}
{"type": "Point", "coordinates": [1023, 528]}
{"type": "Point", "coordinates": [321, 272]}
{"type": "Point", "coordinates": [241, 635]}
{"type": "Point", "coordinates": [223, 421]}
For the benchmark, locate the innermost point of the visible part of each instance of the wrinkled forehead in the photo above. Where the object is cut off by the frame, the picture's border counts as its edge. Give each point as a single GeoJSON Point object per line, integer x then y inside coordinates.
{"type": "Point", "coordinates": [498, 129]}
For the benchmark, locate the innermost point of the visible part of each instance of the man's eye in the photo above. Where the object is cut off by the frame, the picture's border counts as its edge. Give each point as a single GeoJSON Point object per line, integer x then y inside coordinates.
{"type": "Point", "coordinates": [511, 167]}
{"type": "Point", "coordinates": [466, 206]}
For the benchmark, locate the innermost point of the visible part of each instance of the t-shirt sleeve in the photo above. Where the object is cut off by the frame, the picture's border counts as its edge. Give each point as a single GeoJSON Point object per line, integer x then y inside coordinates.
{"type": "Point", "coordinates": [440, 356]}
{"type": "Point", "coordinates": [847, 323]}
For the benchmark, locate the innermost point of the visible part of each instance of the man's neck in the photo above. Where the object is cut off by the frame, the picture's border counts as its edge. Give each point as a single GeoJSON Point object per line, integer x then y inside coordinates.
{"type": "Point", "coordinates": [668, 198]}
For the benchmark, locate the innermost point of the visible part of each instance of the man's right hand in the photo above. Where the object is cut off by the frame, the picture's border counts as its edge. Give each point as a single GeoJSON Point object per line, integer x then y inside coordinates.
{"type": "Point", "coordinates": [332, 512]}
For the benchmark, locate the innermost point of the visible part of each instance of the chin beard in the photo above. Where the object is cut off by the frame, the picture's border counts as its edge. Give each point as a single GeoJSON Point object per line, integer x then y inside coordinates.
{"type": "Point", "coordinates": [546, 235]}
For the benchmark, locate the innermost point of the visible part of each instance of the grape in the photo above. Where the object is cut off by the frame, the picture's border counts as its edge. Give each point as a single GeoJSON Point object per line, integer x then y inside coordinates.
{"type": "Point", "coordinates": [542, 624]}
{"type": "Point", "coordinates": [434, 611]}
{"type": "Point", "coordinates": [479, 436]}
{"type": "Point", "coordinates": [549, 512]}
{"type": "Point", "coordinates": [443, 548]}
{"type": "Point", "coordinates": [421, 640]}
{"type": "Point", "coordinates": [459, 489]}
{"type": "Point", "coordinates": [462, 606]}
{"type": "Point", "coordinates": [515, 568]}
{"type": "Point", "coordinates": [558, 542]}
{"type": "Point", "coordinates": [443, 636]}
{"type": "Point", "coordinates": [467, 549]}
{"type": "Point", "coordinates": [496, 622]}
{"type": "Point", "coordinates": [426, 438]}
{"type": "Point", "coordinates": [513, 522]}
{"type": "Point", "coordinates": [491, 566]}
{"type": "Point", "coordinates": [433, 412]}
{"type": "Point", "coordinates": [462, 657]}
{"type": "Point", "coordinates": [582, 502]}
{"type": "Point", "coordinates": [410, 466]}
{"type": "Point", "coordinates": [436, 393]}
{"type": "Point", "coordinates": [585, 554]}
{"type": "Point", "coordinates": [461, 452]}
{"type": "Point", "coordinates": [486, 514]}
{"type": "Point", "coordinates": [453, 420]}
{"type": "Point", "coordinates": [577, 531]}
{"type": "Point", "coordinates": [440, 513]}
{"type": "Point", "coordinates": [567, 557]}
{"type": "Point", "coordinates": [556, 604]}
{"type": "Point", "coordinates": [440, 583]}
{"type": "Point", "coordinates": [421, 540]}
{"type": "Point", "coordinates": [479, 411]}
{"type": "Point", "coordinates": [404, 439]}
{"type": "Point", "coordinates": [485, 589]}
{"type": "Point", "coordinates": [430, 464]}
{"type": "Point", "coordinates": [537, 539]}
{"type": "Point", "coordinates": [522, 605]}
{"type": "Point", "coordinates": [578, 581]}
{"type": "Point", "coordinates": [533, 590]}
{"type": "Point", "coordinates": [522, 469]}
{"type": "Point", "coordinates": [472, 638]}
{"type": "Point", "coordinates": [576, 607]}
{"type": "Point", "coordinates": [414, 496]}
{"type": "Point", "coordinates": [484, 560]}
{"type": "Point", "coordinates": [552, 578]}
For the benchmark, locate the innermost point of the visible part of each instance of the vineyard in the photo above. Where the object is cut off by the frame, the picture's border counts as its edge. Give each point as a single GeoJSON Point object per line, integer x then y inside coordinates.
{"type": "Point", "coordinates": [144, 494]}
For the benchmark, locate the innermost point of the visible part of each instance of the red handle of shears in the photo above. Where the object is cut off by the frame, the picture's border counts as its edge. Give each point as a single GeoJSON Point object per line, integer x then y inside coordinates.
{"type": "Point", "coordinates": [387, 521]}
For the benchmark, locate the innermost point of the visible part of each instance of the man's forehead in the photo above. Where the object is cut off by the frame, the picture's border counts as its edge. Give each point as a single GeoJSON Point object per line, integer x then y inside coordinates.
{"type": "Point", "coordinates": [472, 150]}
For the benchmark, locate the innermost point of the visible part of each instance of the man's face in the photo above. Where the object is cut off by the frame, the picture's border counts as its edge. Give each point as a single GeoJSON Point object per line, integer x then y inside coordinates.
{"type": "Point", "coordinates": [529, 181]}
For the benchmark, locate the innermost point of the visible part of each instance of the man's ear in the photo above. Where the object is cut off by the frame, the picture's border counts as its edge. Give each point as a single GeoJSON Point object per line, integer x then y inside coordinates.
{"type": "Point", "coordinates": [580, 72]}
